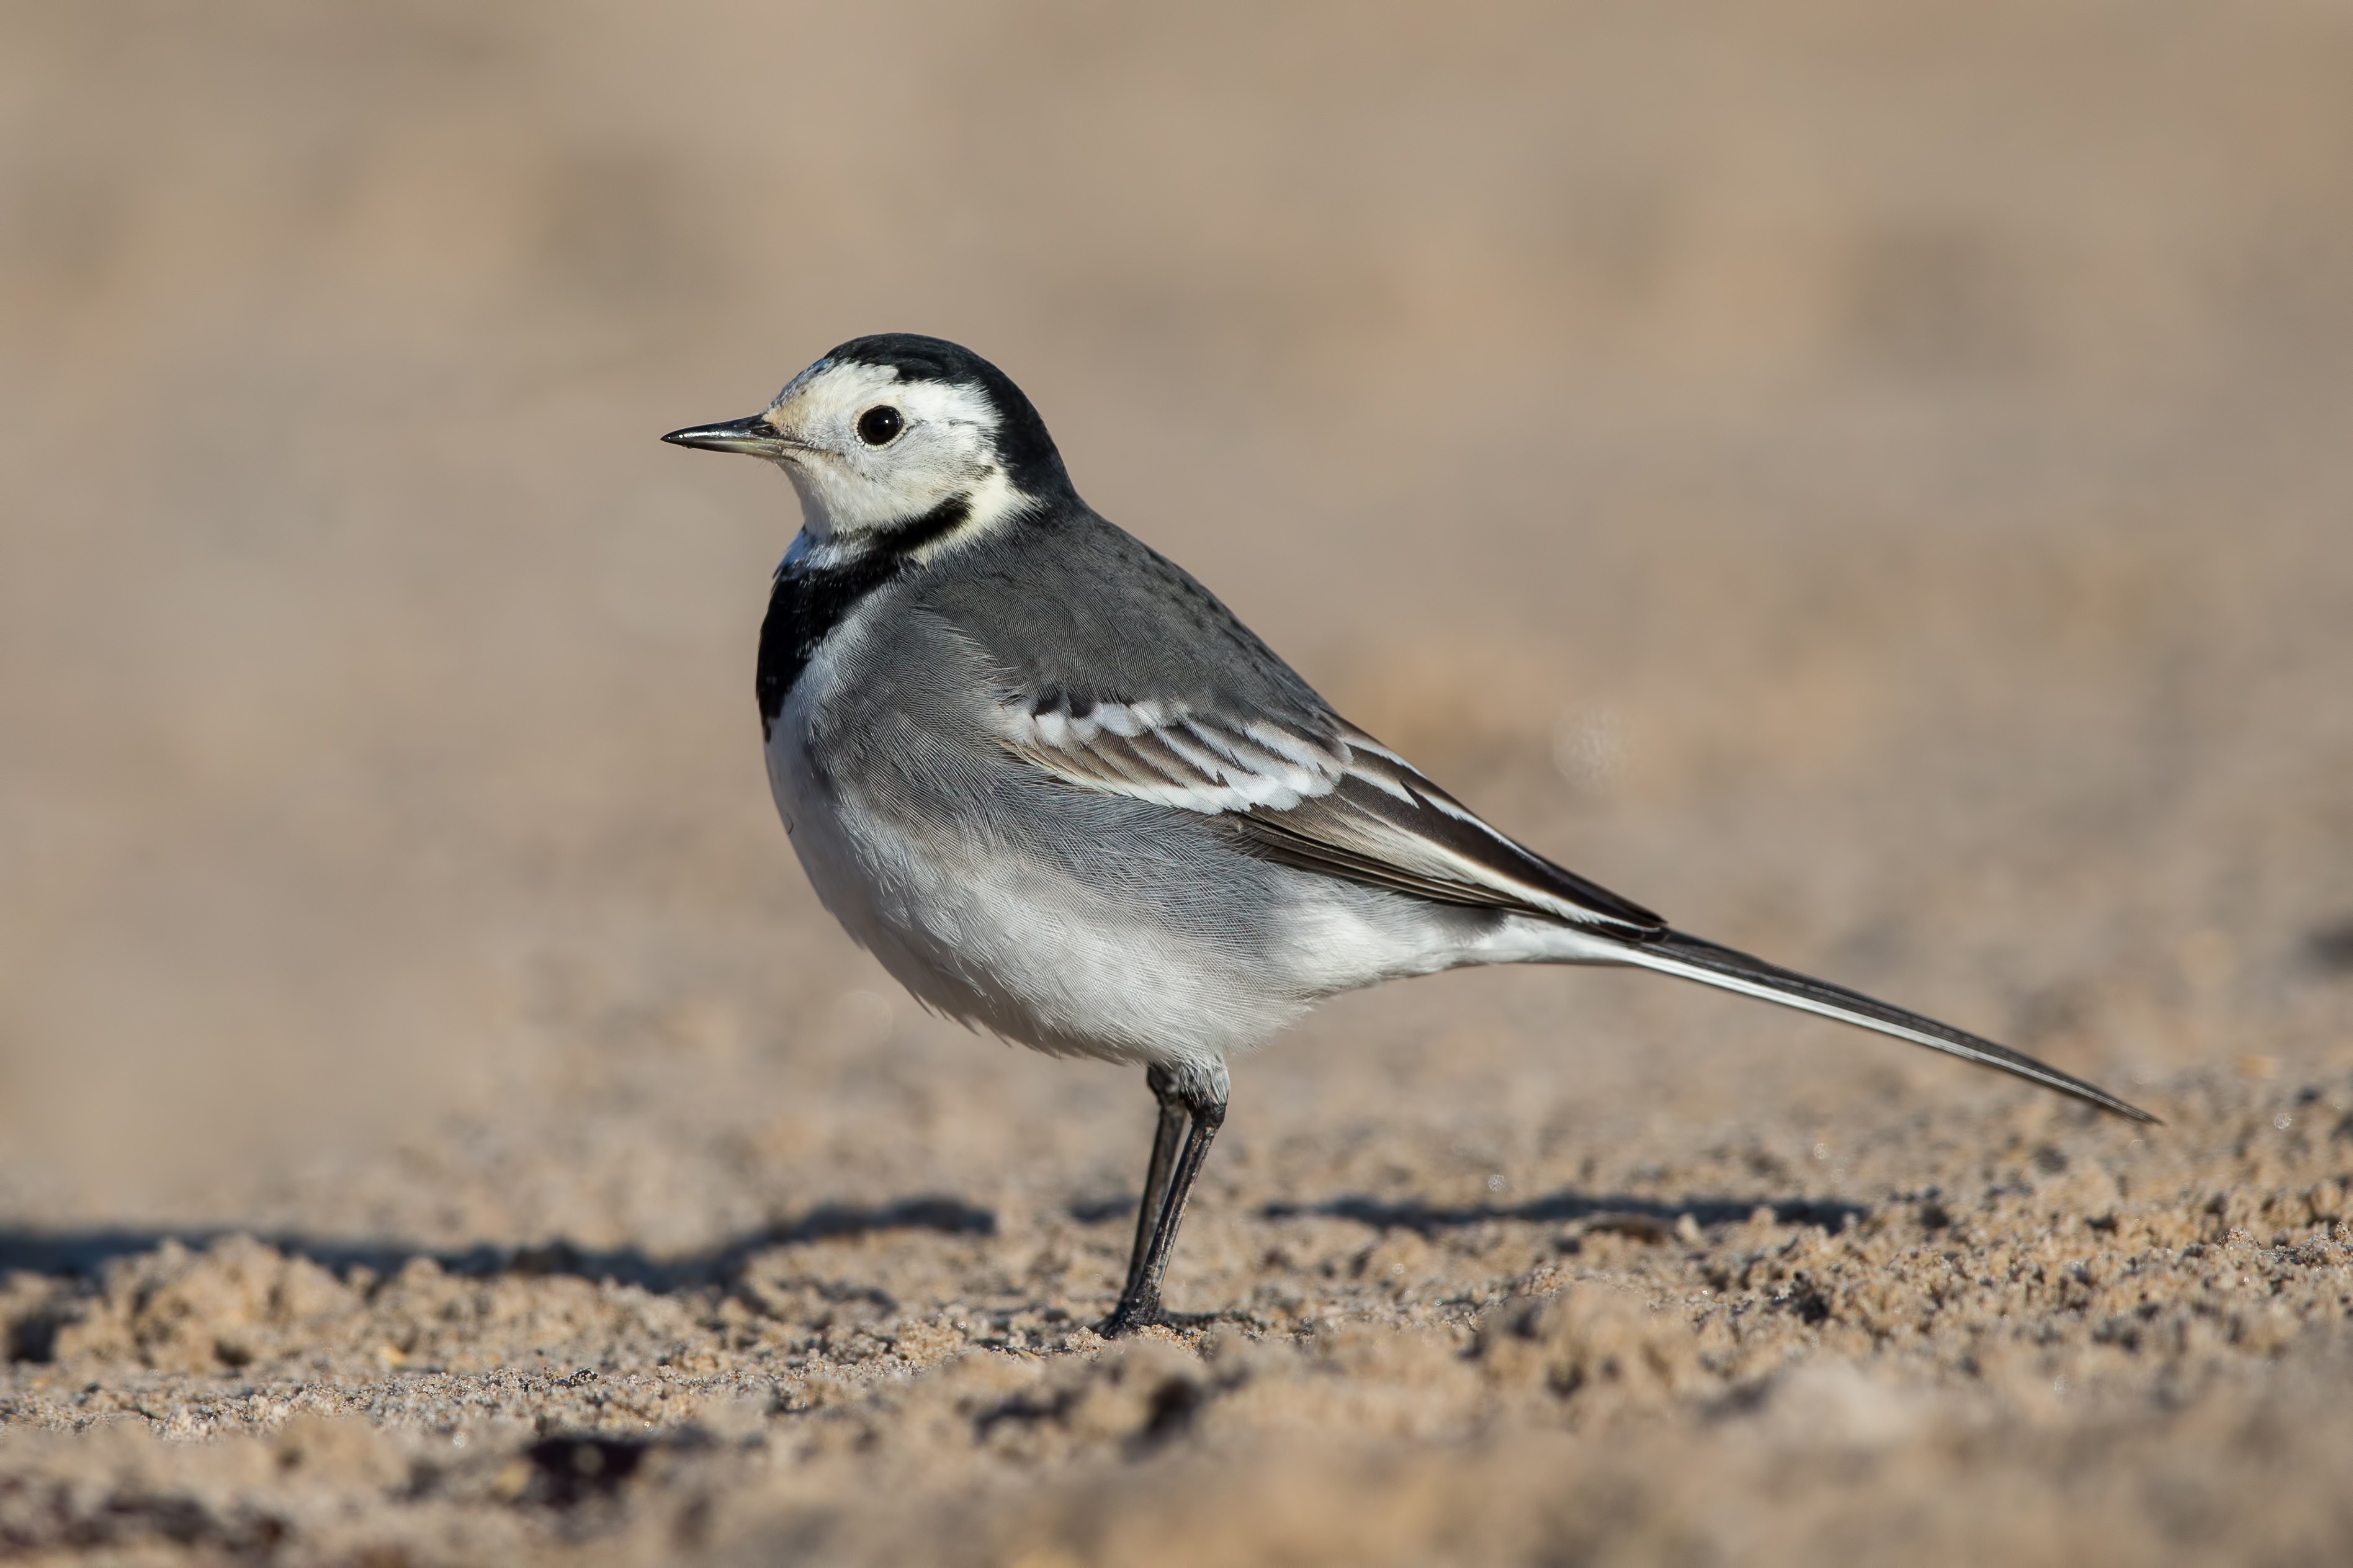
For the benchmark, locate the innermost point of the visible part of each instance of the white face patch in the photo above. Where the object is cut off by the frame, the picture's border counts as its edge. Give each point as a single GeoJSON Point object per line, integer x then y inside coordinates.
{"type": "Point", "coordinates": [945, 448]}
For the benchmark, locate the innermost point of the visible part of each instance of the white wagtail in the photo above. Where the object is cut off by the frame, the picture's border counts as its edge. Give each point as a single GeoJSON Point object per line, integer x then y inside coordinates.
{"type": "Point", "coordinates": [1062, 794]}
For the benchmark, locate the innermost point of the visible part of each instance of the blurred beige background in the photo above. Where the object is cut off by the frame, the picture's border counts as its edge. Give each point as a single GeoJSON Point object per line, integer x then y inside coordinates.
{"type": "Point", "coordinates": [1871, 481]}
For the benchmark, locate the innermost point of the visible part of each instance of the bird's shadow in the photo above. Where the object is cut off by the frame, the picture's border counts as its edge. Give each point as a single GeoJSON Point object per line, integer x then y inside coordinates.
{"type": "Point", "coordinates": [1602, 1211]}
{"type": "Point", "coordinates": [83, 1254]}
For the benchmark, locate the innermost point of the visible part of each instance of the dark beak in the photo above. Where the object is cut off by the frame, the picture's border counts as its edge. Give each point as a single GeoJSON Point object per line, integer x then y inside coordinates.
{"type": "Point", "coordinates": [755, 435]}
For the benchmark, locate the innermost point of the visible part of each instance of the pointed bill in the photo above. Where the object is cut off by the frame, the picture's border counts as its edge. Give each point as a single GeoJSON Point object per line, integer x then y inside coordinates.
{"type": "Point", "coordinates": [754, 437]}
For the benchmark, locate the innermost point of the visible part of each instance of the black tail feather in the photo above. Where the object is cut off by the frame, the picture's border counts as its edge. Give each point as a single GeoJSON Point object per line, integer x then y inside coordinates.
{"type": "Point", "coordinates": [1693, 958]}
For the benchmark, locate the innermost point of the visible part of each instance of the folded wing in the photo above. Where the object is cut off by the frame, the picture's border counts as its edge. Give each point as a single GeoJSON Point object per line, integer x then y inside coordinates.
{"type": "Point", "coordinates": [1307, 790]}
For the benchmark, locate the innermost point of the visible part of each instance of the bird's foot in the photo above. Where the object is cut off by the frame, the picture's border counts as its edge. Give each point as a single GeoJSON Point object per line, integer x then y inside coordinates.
{"type": "Point", "coordinates": [1129, 1316]}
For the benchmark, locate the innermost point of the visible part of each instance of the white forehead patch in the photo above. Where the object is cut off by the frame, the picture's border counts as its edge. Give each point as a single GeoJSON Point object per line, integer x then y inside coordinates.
{"type": "Point", "coordinates": [945, 448]}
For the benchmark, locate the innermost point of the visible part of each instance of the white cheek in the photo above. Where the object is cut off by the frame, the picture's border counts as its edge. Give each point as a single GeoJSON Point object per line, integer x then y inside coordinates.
{"type": "Point", "coordinates": [848, 494]}
{"type": "Point", "coordinates": [847, 487]}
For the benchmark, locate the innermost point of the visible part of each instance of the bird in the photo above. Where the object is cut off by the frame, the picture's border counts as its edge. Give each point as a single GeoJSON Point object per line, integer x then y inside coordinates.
{"type": "Point", "coordinates": [1063, 795]}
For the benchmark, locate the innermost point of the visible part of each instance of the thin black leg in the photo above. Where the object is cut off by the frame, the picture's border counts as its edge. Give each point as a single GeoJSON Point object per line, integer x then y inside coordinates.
{"type": "Point", "coordinates": [1204, 1104]}
{"type": "Point", "coordinates": [1165, 1138]}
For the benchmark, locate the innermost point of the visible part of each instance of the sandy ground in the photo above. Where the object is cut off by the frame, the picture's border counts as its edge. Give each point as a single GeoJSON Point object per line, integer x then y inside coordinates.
{"type": "Point", "coordinates": [1870, 484]}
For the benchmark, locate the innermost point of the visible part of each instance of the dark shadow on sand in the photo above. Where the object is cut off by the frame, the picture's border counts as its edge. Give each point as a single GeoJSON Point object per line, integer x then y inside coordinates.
{"type": "Point", "coordinates": [1605, 1211]}
{"type": "Point", "coordinates": [83, 1253]}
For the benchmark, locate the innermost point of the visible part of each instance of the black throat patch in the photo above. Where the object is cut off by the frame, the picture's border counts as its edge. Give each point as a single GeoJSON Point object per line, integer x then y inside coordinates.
{"type": "Point", "coordinates": [808, 602]}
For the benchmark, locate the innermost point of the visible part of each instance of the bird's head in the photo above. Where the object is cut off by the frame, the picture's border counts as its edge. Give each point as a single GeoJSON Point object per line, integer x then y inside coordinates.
{"type": "Point", "coordinates": [900, 432]}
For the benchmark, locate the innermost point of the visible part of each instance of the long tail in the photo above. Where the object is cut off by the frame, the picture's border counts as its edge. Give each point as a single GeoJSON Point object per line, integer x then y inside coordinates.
{"type": "Point", "coordinates": [1689, 958]}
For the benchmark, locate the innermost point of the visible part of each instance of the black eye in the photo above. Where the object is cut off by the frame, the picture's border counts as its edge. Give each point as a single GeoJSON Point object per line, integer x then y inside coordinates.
{"type": "Point", "coordinates": [879, 424]}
